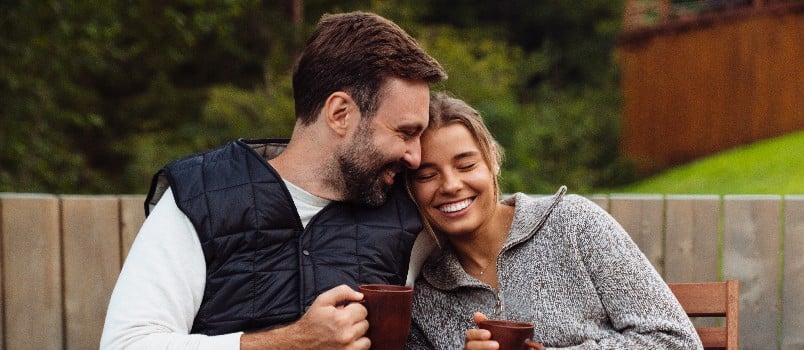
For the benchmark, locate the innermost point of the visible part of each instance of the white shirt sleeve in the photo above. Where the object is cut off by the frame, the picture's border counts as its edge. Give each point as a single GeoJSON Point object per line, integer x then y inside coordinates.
{"type": "Point", "coordinates": [160, 288]}
{"type": "Point", "coordinates": [423, 247]}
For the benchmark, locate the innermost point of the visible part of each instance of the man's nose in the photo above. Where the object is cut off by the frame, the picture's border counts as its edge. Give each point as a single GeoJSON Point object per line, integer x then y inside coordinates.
{"type": "Point", "coordinates": [413, 154]}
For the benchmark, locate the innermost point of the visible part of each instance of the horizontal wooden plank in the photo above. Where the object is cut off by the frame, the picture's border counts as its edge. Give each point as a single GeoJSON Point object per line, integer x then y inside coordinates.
{"type": "Point", "coordinates": [701, 299]}
{"type": "Point", "coordinates": [712, 337]}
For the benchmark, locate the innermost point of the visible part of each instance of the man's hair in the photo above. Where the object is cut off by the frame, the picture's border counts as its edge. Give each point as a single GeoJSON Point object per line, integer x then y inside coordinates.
{"type": "Point", "coordinates": [356, 52]}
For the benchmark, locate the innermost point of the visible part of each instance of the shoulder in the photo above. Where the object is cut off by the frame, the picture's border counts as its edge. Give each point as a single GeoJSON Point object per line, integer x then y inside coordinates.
{"type": "Point", "coordinates": [558, 205]}
{"type": "Point", "coordinates": [560, 214]}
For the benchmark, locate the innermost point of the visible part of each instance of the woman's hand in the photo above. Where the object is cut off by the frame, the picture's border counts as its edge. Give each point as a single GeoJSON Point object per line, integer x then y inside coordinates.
{"type": "Point", "coordinates": [534, 345]}
{"type": "Point", "coordinates": [479, 339]}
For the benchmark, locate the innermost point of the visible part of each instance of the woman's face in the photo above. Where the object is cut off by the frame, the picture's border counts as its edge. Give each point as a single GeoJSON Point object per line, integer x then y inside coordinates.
{"type": "Point", "coordinates": [454, 186]}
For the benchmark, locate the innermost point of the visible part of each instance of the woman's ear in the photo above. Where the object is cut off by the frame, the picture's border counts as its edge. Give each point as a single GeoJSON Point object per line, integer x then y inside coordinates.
{"type": "Point", "coordinates": [340, 112]}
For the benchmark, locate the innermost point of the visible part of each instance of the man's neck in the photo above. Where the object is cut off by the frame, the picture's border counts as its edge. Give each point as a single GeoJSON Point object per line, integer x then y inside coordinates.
{"type": "Point", "coordinates": [307, 165]}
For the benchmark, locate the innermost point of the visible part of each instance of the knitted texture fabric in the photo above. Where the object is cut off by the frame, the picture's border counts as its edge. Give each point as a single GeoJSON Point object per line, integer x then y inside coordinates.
{"type": "Point", "coordinates": [568, 268]}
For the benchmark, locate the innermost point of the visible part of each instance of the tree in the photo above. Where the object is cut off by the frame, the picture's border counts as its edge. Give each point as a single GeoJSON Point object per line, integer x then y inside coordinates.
{"type": "Point", "coordinates": [85, 81]}
{"type": "Point", "coordinates": [96, 95]}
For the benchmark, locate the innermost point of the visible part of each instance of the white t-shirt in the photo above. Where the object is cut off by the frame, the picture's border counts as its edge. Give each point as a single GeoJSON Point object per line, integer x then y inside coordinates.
{"type": "Point", "coordinates": [161, 284]}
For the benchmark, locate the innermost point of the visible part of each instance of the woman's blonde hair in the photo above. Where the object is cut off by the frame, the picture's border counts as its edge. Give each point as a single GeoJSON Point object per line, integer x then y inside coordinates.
{"type": "Point", "coordinates": [447, 110]}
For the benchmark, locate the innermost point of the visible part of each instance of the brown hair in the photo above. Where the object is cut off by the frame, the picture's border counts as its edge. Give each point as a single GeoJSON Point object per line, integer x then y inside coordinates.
{"type": "Point", "coordinates": [447, 110]}
{"type": "Point", "coordinates": [356, 52]}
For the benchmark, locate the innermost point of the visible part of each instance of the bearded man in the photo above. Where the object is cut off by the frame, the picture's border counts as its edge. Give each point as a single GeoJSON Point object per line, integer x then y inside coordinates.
{"type": "Point", "coordinates": [262, 243]}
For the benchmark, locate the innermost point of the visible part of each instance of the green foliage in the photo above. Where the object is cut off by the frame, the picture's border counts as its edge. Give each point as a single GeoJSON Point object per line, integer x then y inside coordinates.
{"type": "Point", "coordinates": [96, 95]}
{"type": "Point", "coordinates": [568, 139]}
{"type": "Point", "coordinates": [82, 81]}
{"type": "Point", "coordinates": [773, 166]}
{"type": "Point", "coordinates": [551, 97]}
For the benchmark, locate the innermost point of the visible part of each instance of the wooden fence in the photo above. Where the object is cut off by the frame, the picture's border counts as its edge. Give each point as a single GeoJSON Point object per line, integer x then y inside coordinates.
{"type": "Point", "coordinates": [61, 256]}
{"type": "Point", "coordinates": [700, 86]}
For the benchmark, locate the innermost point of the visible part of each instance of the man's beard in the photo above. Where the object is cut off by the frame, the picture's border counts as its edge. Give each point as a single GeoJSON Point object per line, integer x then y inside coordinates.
{"type": "Point", "coordinates": [363, 171]}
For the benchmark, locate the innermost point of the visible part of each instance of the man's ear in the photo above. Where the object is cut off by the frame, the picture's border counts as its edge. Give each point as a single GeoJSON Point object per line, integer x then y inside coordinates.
{"type": "Point", "coordinates": [340, 112]}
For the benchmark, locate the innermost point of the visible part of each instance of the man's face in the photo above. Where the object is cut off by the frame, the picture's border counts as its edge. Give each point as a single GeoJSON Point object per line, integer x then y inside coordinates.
{"type": "Point", "coordinates": [383, 146]}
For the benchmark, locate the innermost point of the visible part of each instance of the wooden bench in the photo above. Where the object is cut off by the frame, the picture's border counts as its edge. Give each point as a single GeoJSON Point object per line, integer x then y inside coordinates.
{"type": "Point", "coordinates": [712, 299]}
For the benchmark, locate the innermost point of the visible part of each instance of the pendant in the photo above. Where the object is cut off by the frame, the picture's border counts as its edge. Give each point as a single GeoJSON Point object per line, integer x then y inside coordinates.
{"type": "Point", "coordinates": [481, 272]}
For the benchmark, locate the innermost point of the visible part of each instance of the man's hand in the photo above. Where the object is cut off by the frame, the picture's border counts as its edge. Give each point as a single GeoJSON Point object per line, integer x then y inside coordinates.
{"type": "Point", "coordinates": [335, 320]}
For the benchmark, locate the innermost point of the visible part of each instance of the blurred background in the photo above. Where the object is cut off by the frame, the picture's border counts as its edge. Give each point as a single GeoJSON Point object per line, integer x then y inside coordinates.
{"type": "Point", "coordinates": [603, 96]}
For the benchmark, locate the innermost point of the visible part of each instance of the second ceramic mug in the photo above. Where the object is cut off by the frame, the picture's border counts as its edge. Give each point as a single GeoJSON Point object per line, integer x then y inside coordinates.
{"type": "Point", "coordinates": [511, 335]}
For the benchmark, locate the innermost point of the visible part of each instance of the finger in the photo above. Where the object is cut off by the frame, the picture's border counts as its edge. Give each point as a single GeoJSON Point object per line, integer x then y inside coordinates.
{"type": "Point", "coordinates": [357, 310]}
{"type": "Point", "coordinates": [353, 333]}
{"type": "Point", "coordinates": [362, 327]}
{"type": "Point", "coordinates": [362, 344]}
{"type": "Point", "coordinates": [534, 345]}
{"type": "Point", "coordinates": [477, 334]}
{"type": "Point", "coordinates": [482, 345]}
{"type": "Point", "coordinates": [338, 295]}
{"type": "Point", "coordinates": [478, 317]}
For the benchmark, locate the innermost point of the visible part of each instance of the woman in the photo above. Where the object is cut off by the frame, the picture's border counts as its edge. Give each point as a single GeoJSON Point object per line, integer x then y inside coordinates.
{"type": "Point", "coordinates": [560, 262]}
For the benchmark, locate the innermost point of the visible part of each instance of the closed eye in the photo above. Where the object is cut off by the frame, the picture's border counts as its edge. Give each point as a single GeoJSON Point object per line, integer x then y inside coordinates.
{"type": "Point", "coordinates": [424, 176]}
{"type": "Point", "coordinates": [408, 133]}
{"type": "Point", "coordinates": [467, 166]}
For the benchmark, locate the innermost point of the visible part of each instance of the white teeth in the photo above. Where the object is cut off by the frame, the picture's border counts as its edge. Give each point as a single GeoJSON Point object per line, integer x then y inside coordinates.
{"type": "Point", "coordinates": [453, 207]}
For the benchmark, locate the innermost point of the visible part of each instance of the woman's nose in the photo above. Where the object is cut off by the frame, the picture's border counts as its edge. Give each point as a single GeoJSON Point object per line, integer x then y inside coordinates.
{"type": "Point", "coordinates": [451, 183]}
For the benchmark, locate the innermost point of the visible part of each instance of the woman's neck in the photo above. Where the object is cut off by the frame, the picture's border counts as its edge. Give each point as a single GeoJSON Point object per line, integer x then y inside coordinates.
{"type": "Point", "coordinates": [478, 252]}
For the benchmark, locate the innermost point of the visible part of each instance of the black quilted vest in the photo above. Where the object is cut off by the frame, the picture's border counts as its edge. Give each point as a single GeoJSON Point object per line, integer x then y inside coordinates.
{"type": "Point", "coordinates": [263, 268]}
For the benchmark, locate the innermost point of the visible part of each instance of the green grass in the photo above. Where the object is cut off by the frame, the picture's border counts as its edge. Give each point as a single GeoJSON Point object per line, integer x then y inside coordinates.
{"type": "Point", "coordinates": [773, 166]}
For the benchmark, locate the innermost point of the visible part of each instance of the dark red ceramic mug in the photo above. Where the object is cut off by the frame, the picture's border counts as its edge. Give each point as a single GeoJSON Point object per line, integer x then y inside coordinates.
{"type": "Point", "coordinates": [389, 313]}
{"type": "Point", "coordinates": [511, 335]}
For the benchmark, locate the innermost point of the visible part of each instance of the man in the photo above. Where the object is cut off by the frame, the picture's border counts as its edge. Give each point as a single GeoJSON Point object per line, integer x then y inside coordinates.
{"type": "Point", "coordinates": [261, 244]}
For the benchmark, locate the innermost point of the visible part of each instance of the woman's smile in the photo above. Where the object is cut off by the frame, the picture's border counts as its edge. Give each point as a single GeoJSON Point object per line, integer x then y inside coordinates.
{"type": "Point", "coordinates": [454, 207]}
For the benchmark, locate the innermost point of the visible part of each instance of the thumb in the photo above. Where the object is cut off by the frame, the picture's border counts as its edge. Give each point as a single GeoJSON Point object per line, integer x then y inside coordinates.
{"type": "Point", "coordinates": [338, 295]}
{"type": "Point", "coordinates": [479, 317]}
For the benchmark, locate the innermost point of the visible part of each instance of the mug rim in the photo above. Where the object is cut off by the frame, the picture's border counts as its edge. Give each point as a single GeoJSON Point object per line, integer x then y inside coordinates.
{"type": "Point", "coordinates": [507, 324]}
{"type": "Point", "coordinates": [379, 287]}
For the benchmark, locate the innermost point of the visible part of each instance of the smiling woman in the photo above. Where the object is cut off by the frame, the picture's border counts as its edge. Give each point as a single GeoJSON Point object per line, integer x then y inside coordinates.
{"type": "Point", "coordinates": [560, 263]}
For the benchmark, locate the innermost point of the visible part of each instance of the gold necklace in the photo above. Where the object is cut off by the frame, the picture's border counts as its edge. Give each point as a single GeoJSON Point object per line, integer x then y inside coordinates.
{"type": "Point", "coordinates": [505, 228]}
{"type": "Point", "coordinates": [483, 270]}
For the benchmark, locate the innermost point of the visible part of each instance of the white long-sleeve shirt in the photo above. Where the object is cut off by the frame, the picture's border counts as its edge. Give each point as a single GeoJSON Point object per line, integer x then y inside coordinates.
{"type": "Point", "coordinates": [161, 284]}
{"type": "Point", "coordinates": [160, 288]}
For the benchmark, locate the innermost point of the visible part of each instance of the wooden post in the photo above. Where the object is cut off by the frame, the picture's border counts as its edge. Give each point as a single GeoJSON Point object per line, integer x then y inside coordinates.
{"type": "Point", "coordinates": [91, 226]}
{"type": "Point", "coordinates": [132, 216]}
{"type": "Point", "coordinates": [32, 281]}
{"type": "Point", "coordinates": [664, 11]}
{"type": "Point", "coordinates": [793, 292]}
{"type": "Point", "coordinates": [758, 4]}
{"type": "Point", "coordinates": [751, 242]}
{"type": "Point", "coordinates": [641, 217]}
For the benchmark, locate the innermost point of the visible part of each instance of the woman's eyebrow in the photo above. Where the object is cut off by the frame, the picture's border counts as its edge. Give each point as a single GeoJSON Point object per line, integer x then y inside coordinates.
{"type": "Point", "coordinates": [466, 154]}
{"type": "Point", "coordinates": [456, 157]}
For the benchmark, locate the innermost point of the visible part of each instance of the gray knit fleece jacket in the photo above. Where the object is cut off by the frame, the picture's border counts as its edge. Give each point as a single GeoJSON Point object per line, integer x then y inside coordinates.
{"type": "Point", "coordinates": [567, 267]}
